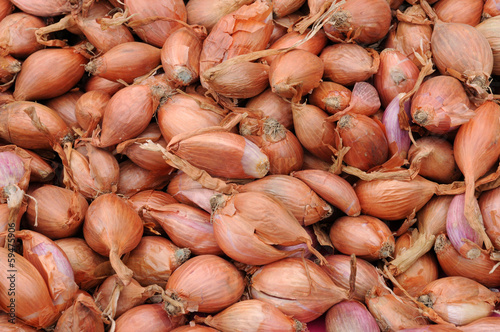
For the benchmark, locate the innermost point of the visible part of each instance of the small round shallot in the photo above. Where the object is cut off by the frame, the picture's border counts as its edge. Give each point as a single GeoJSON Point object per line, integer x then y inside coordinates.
{"type": "Point", "coordinates": [56, 212]}
{"type": "Point", "coordinates": [148, 317]}
{"type": "Point", "coordinates": [313, 45]}
{"type": "Point", "coordinates": [347, 64]}
{"type": "Point", "coordinates": [89, 109]}
{"type": "Point", "coordinates": [205, 283]}
{"type": "Point", "coordinates": [272, 106]}
{"type": "Point", "coordinates": [365, 236]}
{"type": "Point", "coordinates": [287, 80]}
{"type": "Point", "coordinates": [150, 199]}
{"type": "Point", "coordinates": [9, 67]}
{"type": "Point", "coordinates": [154, 259]}
{"type": "Point", "coordinates": [460, 11]}
{"type": "Point", "coordinates": [350, 316]}
{"type": "Point", "coordinates": [83, 312]}
{"type": "Point", "coordinates": [330, 97]}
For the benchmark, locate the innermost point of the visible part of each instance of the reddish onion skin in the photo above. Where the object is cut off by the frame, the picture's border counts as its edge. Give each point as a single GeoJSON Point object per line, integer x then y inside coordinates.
{"type": "Point", "coordinates": [190, 192]}
{"type": "Point", "coordinates": [490, 30]}
{"type": "Point", "coordinates": [17, 35]}
{"type": "Point", "coordinates": [208, 13]}
{"type": "Point", "coordinates": [156, 32]}
{"type": "Point", "coordinates": [6, 8]}
{"type": "Point", "coordinates": [393, 131]}
{"type": "Point", "coordinates": [350, 316]}
{"type": "Point", "coordinates": [205, 283]}
{"type": "Point", "coordinates": [330, 97]}
{"type": "Point", "coordinates": [460, 11]}
{"type": "Point", "coordinates": [148, 317]}
{"type": "Point", "coordinates": [194, 328]}
{"type": "Point", "coordinates": [7, 324]}
{"type": "Point", "coordinates": [313, 45]}
{"type": "Point", "coordinates": [64, 105]}
{"type": "Point", "coordinates": [44, 8]}
{"type": "Point", "coordinates": [103, 85]}
{"type": "Point", "coordinates": [83, 314]}
{"type": "Point", "coordinates": [49, 73]}
{"type": "Point", "coordinates": [89, 109]}
{"type": "Point", "coordinates": [272, 106]}
{"type": "Point", "coordinates": [489, 203]}
{"type": "Point", "coordinates": [303, 295]}
{"type": "Point", "coordinates": [491, 8]}
{"type": "Point", "coordinates": [134, 179]}
{"type": "Point", "coordinates": [482, 324]}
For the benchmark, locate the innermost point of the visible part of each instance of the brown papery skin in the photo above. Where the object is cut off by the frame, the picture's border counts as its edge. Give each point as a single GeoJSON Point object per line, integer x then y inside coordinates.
{"type": "Point", "coordinates": [148, 317]}
{"type": "Point", "coordinates": [33, 303]}
{"type": "Point", "coordinates": [454, 264]}
{"type": "Point", "coordinates": [9, 67]}
{"type": "Point", "coordinates": [89, 108]}
{"type": "Point", "coordinates": [490, 29]}
{"type": "Point", "coordinates": [272, 106]}
{"type": "Point", "coordinates": [303, 294]}
{"type": "Point", "coordinates": [83, 314]}
{"type": "Point", "coordinates": [330, 97]}
{"type": "Point", "coordinates": [59, 214]}
{"type": "Point", "coordinates": [460, 11]}
{"type": "Point", "coordinates": [17, 34]}
{"type": "Point", "coordinates": [209, 12]}
{"type": "Point", "coordinates": [313, 132]}
{"type": "Point", "coordinates": [421, 272]}
{"type": "Point", "coordinates": [44, 8]}
{"type": "Point", "coordinates": [134, 179]}
{"type": "Point", "coordinates": [368, 20]}
{"type": "Point", "coordinates": [347, 64]}
{"type": "Point", "coordinates": [49, 73]}
{"type": "Point", "coordinates": [183, 113]}
{"type": "Point", "coordinates": [113, 228]}
{"type": "Point", "coordinates": [285, 7]}
{"type": "Point", "coordinates": [180, 55]}
{"type": "Point", "coordinates": [332, 188]}
{"type": "Point", "coordinates": [287, 80]}
{"type": "Point", "coordinates": [489, 202]}
{"type": "Point", "coordinates": [230, 37]}
{"type": "Point", "coordinates": [491, 8]}
{"type": "Point", "coordinates": [365, 236]}
{"type": "Point", "coordinates": [65, 106]}
{"type": "Point", "coordinates": [313, 45]}
{"type": "Point", "coordinates": [125, 61]}
{"type": "Point", "coordinates": [367, 141]}
{"type": "Point", "coordinates": [103, 85]}
{"type": "Point", "coordinates": [16, 126]}
{"type": "Point", "coordinates": [102, 39]}
{"type": "Point", "coordinates": [394, 199]}
{"type": "Point", "coordinates": [340, 272]}
{"type": "Point", "coordinates": [431, 219]}
{"type": "Point", "coordinates": [482, 324]}
{"type": "Point", "coordinates": [154, 259]}
{"type": "Point", "coordinates": [253, 314]}
{"type": "Point", "coordinates": [187, 227]}
{"type": "Point", "coordinates": [396, 74]}
{"type": "Point", "coordinates": [89, 267]}
{"type": "Point", "coordinates": [441, 105]}
{"type": "Point", "coordinates": [306, 206]}
{"type": "Point", "coordinates": [207, 283]}
{"type": "Point", "coordinates": [146, 199]}
{"type": "Point", "coordinates": [459, 300]}
{"type": "Point", "coordinates": [438, 162]}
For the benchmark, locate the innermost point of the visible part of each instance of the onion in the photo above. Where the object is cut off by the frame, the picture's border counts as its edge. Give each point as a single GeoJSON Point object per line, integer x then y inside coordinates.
{"type": "Point", "coordinates": [150, 199]}
{"type": "Point", "coordinates": [347, 64]}
{"type": "Point", "coordinates": [153, 31]}
{"type": "Point", "coordinates": [488, 203]}
{"type": "Point", "coordinates": [366, 139]}
{"type": "Point", "coordinates": [491, 8]}
{"type": "Point", "coordinates": [364, 21]}
{"type": "Point", "coordinates": [89, 268]}
{"type": "Point", "coordinates": [393, 131]}
{"type": "Point", "coordinates": [205, 283]}
{"type": "Point", "coordinates": [64, 105]}
{"type": "Point", "coordinates": [128, 113]}
{"type": "Point", "coordinates": [272, 106]}
{"type": "Point", "coordinates": [339, 270]}
{"type": "Point", "coordinates": [330, 97]}
{"type": "Point", "coordinates": [253, 315]}
{"type": "Point", "coordinates": [364, 100]}
{"type": "Point", "coordinates": [332, 188]}
{"type": "Point", "coordinates": [49, 73]}
{"type": "Point", "coordinates": [180, 55]}
{"type": "Point", "coordinates": [459, 300]}
{"type": "Point", "coordinates": [14, 165]}
{"type": "Point", "coordinates": [56, 212]}
{"type": "Point", "coordinates": [190, 192]}
{"type": "Point", "coordinates": [154, 259]}
{"type": "Point", "coordinates": [461, 11]}
{"type": "Point", "coordinates": [40, 170]}
{"type": "Point", "coordinates": [134, 179]}
{"type": "Point", "coordinates": [53, 265]}
{"type": "Point", "coordinates": [148, 317]}
{"type": "Point", "coordinates": [44, 8]}
{"type": "Point", "coordinates": [434, 159]}
{"type": "Point", "coordinates": [113, 228]}
{"type": "Point", "coordinates": [102, 85]}
{"type": "Point", "coordinates": [299, 288]}
{"type": "Point", "coordinates": [9, 67]}
{"type": "Point", "coordinates": [33, 304]}
{"type": "Point", "coordinates": [84, 313]}
{"type": "Point", "coordinates": [365, 236]}
{"type": "Point", "coordinates": [350, 316]}
{"type": "Point", "coordinates": [484, 324]}
{"type": "Point", "coordinates": [125, 61]}
{"type": "Point", "coordinates": [478, 268]}
{"type": "Point", "coordinates": [313, 45]}
{"type": "Point", "coordinates": [208, 13]}
{"type": "Point", "coordinates": [421, 272]}
{"type": "Point", "coordinates": [396, 74]}
{"type": "Point", "coordinates": [236, 222]}
{"type": "Point", "coordinates": [313, 132]}
{"type": "Point", "coordinates": [187, 227]}
{"type": "Point", "coordinates": [187, 112]}
{"type": "Point", "coordinates": [285, 78]}
{"type": "Point", "coordinates": [305, 205]}
{"type": "Point", "coordinates": [441, 105]}
{"type": "Point", "coordinates": [16, 126]}
{"type": "Point", "coordinates": [89, 109]}
{"type": "Point", "coordinates": [222, 154]}
{"type": "Point", "coordinates": [489, 29]}
{"type": "Point", "coordinates": [477, 149]}
{"type": "Point", "coordinates": [281, 147]}
{"type": "Point", "coordinates": [6, 8]}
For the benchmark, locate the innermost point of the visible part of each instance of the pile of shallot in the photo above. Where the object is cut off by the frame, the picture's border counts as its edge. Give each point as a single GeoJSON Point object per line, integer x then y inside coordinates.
{"type": "Point", "coordinates": [250, 165]}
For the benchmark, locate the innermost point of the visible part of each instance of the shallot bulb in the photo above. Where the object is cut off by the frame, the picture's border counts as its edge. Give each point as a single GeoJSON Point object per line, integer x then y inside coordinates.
{"type": "Point", "coordinates": [393, 130]}
{"type": "Point", "coordinates": [350, 316]}
{"type": "Point", "coordinates": [65, 106]}
{"type": "Point", "coordinates": [272, 106]}
{"type": "Point", "coordinates": [460, 11]}
{"type": "Point", "coordinates": [188, 191]}
{"type": "Point", "coordinates": [17, 34]}
{"type": "Point", "coordinates": [488, 203]}
{"type": "Point", "coordinates": [82, 313]}
{"type": "Point", "coordinates": [148, 317]}
{"type": "Point", "coordinates": [330, 97]}
{"type": "Point", "coordinates": [208, 13]}
{"type": "Point", "coordinates": [489, 29]}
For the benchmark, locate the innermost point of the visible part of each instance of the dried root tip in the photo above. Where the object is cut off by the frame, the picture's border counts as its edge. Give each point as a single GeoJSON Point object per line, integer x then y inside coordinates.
{"type": "Point", "coordinates": [473, 253]}
{"type": "Point", "coordinates": [332, 103]}
{"type": "Point", "coordinates": [299, 326]}
{"type": "Point", "coordinates": [345, 121]}
{"type": "Point", "coordinates": [421, 117]}
{"type": "Point", "coordinates": [274, 130]}
{"type": "Point", "coordinates": [93, 66]}
{"type": "Point", "coordinates": [183, 76]}
{"type": "Point", "coordinates": [426, 300]}
{"type": "Point", "coordinates": [386, 250]}
{"type": "Point", "coordinates": [182, 255]}
{"type": "Point", "coordinates": [217, 201]}
{"type": "Point", "coordinates": [173, 305]}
